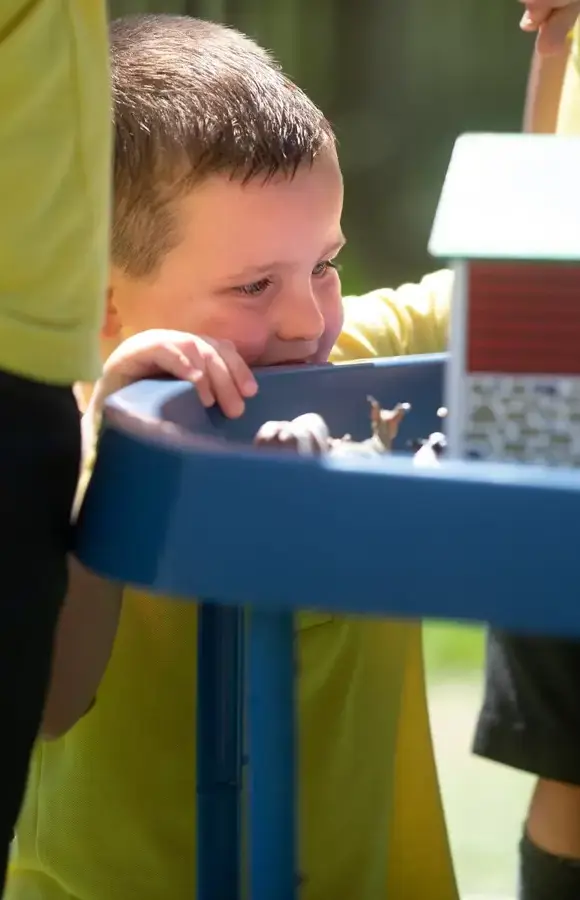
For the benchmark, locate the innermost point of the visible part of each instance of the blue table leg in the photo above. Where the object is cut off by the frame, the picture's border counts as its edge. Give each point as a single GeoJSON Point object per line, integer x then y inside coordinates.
{"type": "Point", "coordinates": [219, 751]}
{"type": "Point", "coordinates": [270, 715]}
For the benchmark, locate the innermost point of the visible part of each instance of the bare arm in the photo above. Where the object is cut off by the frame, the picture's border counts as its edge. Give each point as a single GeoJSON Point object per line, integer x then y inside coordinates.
{"type": "Point", "coordinates": [90, 616]}
{"type": "Point", "coordinates": [86, 629]}
{"type": "Point", "coordinates": [84, 641]}
{"type": "Point", "coordinates": [545, 84]}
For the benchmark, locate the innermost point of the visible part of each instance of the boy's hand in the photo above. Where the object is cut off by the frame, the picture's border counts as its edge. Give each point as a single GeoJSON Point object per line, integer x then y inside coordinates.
{"type": "Point", "coordinates": [552, 20]}
{"type": "Point", "coordinates": [307, 435]}
{"type": "Point", "coordinates": [216, 369]}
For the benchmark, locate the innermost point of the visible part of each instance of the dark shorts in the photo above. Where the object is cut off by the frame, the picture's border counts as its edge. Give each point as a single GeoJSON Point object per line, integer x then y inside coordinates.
{"type": "Point", "coordinates": [39, 467]}
{"type": "Point", "coordinates": [530, 718]}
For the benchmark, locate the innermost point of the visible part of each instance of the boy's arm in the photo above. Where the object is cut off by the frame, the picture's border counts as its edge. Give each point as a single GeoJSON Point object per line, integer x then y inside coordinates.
{"type": "Point", "coordinates": [83, 645]}
{"type": "Point", "coordinates": [413, 319]}
{"type": "Point", "coordinates": [90, 616]}
{"type": "Point", "coordinates": [544, 91]}
{"type": "Point", "coordinates": [87, 625]}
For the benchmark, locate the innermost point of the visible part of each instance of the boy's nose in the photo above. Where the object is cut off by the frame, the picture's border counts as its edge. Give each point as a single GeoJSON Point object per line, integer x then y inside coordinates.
{"type": "Point", "coordinates": [301, 319]}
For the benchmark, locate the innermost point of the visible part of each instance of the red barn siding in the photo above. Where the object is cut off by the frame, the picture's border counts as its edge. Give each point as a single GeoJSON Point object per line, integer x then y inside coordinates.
{"type": "Point", "coordinates": [524, 318]}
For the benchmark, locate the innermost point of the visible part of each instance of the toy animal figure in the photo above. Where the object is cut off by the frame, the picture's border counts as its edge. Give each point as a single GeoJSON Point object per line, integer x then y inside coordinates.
{"type": "Point", "coordinates": [309, 435]}
{"type": "Point", "coordinates": [385, 425]}
{"type": "Point", "coordinates": [428, 452]}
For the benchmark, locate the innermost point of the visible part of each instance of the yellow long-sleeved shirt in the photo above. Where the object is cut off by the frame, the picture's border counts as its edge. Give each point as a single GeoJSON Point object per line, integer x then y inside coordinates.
{"type": "Point", "coordinates": [110, 808]}
{"type": "Point", "coordinates": [569, 114]}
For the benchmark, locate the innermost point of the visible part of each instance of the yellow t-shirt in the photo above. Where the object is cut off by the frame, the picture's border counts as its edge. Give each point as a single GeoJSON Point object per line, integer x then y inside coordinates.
{"type": "Point", "coordinates": [109, 813]}
{"type": "Point", "coordinates": [569, 114]}
{"type": "Point", "coordinates": [55, 157]}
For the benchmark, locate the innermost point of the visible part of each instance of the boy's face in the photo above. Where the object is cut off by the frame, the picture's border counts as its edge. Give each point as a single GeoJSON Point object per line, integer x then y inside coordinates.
{"type": "Point", "coordinates": [254, 267]}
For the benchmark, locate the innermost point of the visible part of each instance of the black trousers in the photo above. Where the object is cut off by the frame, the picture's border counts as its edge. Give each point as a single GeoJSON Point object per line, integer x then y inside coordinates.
{"type": "Point", "coordinates": [39, 467]}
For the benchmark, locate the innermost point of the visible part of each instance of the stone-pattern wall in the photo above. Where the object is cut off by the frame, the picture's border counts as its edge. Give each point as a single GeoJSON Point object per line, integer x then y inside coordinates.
{"type": "Point", "coordinates": [534, 419]}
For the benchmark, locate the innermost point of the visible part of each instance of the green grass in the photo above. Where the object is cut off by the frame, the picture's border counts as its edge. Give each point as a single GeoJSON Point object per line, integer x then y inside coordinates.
{"type": "Point", "coordinates": [485, 804]}
{"type": "Point", "coordinates": [453, 648]}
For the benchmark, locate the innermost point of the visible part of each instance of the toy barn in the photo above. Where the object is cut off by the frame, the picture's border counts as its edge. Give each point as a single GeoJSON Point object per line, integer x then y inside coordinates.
{"type": "Point", "coordinates": [509, 219]}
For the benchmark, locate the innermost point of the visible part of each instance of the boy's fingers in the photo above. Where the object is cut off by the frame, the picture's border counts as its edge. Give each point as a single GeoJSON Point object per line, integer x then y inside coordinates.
{"type": "Point", "coordinates": [185, 364]}
{"type": "Point", "coordinates": [312, 428]}
{"type": "Point", "coordinates": [170, 359]}
{"type": "Point", "coordinates": [230, 378]}
{"type": "Point", "coordinates": [214, 367]}
{"type": "Point", "coordinates": [226, 391]}
{"type": "Point", "coordinates": [201, 382]}
{"type": "Point", "coordinates": [283, 436]}
{"type": "Point", "coordinates": [239, 370]}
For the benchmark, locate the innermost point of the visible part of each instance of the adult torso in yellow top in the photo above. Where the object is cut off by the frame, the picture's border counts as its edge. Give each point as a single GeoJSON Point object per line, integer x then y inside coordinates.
{"type": "Point", "coordinates": [55, 140]}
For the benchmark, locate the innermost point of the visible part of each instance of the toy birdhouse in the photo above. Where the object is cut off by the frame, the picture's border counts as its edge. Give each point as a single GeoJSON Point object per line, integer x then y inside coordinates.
{"type": "Point", "coordinates": [509, 222]}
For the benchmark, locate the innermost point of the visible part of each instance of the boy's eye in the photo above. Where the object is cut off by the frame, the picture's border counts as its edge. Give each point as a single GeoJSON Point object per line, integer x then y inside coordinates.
{"type": "Point", "coordinates": [255, 288]}
{"type": "Point", "coordinates": [323, 267]}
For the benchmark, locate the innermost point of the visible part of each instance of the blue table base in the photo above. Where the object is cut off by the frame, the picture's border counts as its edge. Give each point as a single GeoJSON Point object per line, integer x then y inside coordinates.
{"type": "Point", "coordinates": [180, 505]}
{"type": "Point", "coordinates": [246, 654]}
{"type": "Point", "coordinates": [220, 738]}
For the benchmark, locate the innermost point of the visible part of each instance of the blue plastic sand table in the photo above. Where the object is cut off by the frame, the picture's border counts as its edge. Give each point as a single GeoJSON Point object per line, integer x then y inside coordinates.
{"type": "Point", "coordinates": [463, 540]}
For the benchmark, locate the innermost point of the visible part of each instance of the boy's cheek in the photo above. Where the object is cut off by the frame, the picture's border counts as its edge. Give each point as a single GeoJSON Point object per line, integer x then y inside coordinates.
{"type": "Point", "coordinates": [252, 341]}
{"type": "Point", "coordinates": [334, 323]}
{"type": "Point", "coordinates": [335, 319]}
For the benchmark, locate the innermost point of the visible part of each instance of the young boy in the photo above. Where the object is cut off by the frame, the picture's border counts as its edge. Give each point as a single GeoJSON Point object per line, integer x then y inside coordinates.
{"type": "Point", "coordinates": [226, 228]}
{"type": "Point", "coordinates": [531, 715]}
{"type": "Point", "coordinates": [55, 138]}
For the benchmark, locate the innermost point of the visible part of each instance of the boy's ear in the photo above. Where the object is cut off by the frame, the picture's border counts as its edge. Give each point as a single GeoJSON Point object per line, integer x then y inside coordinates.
{"type": "Point", "coordinates": [111, 328]}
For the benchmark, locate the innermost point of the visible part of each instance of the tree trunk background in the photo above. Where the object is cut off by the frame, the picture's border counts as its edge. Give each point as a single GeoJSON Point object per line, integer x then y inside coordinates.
{"type": "Point", "coordinates": [399, 79]}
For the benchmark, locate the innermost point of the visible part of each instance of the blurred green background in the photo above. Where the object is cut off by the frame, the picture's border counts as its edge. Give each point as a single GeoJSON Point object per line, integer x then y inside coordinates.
{"type": "Point", "coordinates": [400, 79]}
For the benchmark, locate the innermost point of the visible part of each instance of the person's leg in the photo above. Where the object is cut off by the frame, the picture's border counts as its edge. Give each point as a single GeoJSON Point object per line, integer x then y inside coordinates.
{"type": "Point", "coordinates": [530, 720]}
{"type": "Point", "coordinates": [39, 467]}
{"type": "Point", "coordinates": [550, 847]}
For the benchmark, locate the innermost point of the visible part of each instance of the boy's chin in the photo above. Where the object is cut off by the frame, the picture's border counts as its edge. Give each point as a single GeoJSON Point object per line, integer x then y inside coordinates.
{"type": "Point", "coordinates": [318, 358]}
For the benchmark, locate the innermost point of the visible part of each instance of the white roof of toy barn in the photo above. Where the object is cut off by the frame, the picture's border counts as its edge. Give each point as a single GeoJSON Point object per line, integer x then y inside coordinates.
{"type": "Point", "coordinates": [510, 196]}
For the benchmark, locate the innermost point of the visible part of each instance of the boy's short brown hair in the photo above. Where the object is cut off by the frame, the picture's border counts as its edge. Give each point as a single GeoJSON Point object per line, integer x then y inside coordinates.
{"type": "Point", "coordinates": [191, 99]}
